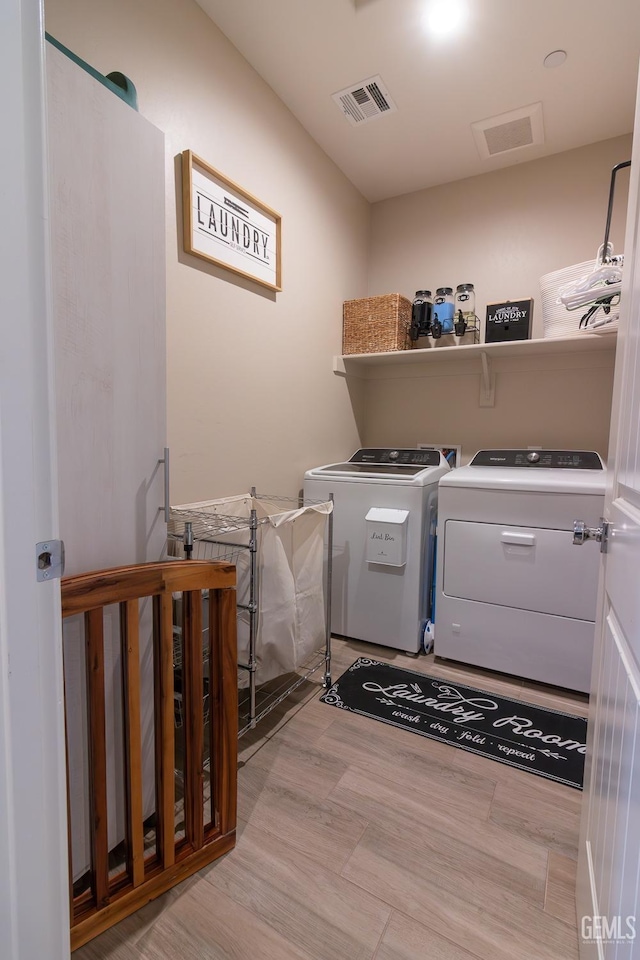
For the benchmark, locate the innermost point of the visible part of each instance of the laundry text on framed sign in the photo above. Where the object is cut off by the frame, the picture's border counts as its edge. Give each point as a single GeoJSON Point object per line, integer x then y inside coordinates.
{"type": "Point", "coordinates": [228, 226]}
{"type": "Point", "coordinates": [511, 320]}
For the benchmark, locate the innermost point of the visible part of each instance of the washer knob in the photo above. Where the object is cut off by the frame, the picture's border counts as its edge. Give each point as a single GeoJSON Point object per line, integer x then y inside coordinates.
{"type": "Point", "coordinates": [393, 455]}
{"type": "Point", "coordinates": [533, 457]}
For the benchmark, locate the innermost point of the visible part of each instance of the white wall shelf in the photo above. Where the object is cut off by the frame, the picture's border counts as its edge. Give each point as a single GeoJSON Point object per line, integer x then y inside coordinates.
{"type": "Point", "coordinates": [359, 364]}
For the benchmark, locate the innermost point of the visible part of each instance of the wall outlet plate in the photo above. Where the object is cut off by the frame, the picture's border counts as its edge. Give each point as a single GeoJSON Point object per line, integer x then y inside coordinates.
{"type": "Point", "coordinates": [452, 452]}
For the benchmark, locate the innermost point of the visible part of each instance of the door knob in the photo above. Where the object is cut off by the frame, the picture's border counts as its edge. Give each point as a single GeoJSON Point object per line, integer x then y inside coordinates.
{"type": "Point", "coordinates": [582, 532]}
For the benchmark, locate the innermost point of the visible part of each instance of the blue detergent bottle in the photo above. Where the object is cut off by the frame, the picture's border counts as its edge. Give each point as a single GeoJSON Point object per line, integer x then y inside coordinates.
{"type": "Point", "coordinates": [443, 311]}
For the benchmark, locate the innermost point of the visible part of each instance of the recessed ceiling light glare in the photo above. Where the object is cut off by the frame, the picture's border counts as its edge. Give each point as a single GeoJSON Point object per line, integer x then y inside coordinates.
{"type": "Point", "coordinates": [444, 17]}
{"type": "Point", "coordinates": [555, 59]}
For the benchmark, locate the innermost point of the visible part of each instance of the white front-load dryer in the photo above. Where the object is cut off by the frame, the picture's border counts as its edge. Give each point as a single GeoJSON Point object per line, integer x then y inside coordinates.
{"type": "Point", "coordinates": [385, 514]}
{"type": "Point", "coordinates": [513, 592]}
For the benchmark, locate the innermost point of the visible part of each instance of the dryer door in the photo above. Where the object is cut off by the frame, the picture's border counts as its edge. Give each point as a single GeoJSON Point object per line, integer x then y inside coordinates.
{"type": "Point", "coordinates": [523, 567]}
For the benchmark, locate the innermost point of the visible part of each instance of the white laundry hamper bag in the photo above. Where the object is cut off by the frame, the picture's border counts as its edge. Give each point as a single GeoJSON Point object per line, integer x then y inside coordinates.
{"type": "Point", "coordinates": [290, 565]}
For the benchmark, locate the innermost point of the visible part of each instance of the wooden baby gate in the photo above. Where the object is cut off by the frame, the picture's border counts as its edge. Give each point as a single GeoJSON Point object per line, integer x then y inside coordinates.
{"type": "Point", "coordinates": [208, 826]}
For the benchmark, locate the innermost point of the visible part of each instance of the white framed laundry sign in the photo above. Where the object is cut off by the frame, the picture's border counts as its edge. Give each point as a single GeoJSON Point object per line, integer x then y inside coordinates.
{"type": "Point", "coordinates": [228, 226]}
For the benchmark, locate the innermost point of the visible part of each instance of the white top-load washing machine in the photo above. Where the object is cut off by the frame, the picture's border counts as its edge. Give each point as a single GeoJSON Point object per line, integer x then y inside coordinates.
{"type": "Point", "coordinates": [385, 513]}
{"type": "Point", "coordinates": [513, 594]}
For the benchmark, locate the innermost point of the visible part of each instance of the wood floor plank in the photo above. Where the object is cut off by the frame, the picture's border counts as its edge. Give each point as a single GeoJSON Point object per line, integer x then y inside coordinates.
{"type": "Point", "coordinates": [252, 740]}
{"type": "Point", "coordinates": [465, 856]}
{"type": "Point", "coordinates": [488, 920]}
{"type": "Point", "coordinates": [289, 763]}
{"type": "Point", "coordinates": [306, 725]}
{"type": "Point", "coordinates": [406, 939]}
{"type": "Point", "coordinates": [509, 775]}
{"type": "Point", "coordinates": [299, 765]}
{"type": "Point", "coordinates": [560, 892]}
{"type": "Point", "coordinates": [553, 698]}
{"type": "Point", "coordinates": [121, 942]}
{"type": "Point", "coordinates": [306, 903]}
{"type": "Point", "coordinates": [116, 944]}
{"type": "Point", "coordinates": [542, 810]}
{"type": "Point", "coordinates": [205, 924]}
{"type": "Point", "coordinates": [249, 744]}
{"type": "Point", "coordinates": [323, 830]}
{"type": "Point", "coordinates": [423, 766]}
{"type": "Point", "coordinates": [252, 780]}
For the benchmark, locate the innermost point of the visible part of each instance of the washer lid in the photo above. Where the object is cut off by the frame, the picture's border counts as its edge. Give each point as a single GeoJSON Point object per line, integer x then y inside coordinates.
{"type": "Point", "coordinates": [390, 471]}
{"type": "Point", "coordinates": [399, 465]}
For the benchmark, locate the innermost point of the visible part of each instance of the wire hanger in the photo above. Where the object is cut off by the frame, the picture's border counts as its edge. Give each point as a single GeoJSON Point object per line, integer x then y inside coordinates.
{"type": "Point", "coordinates": [605, 280]}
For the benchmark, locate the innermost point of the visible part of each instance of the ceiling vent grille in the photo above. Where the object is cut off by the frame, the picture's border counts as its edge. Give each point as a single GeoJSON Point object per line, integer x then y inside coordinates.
{"type": "Point", "coordinates": [365, 101]}
{"type": "Point", "coordinates": [509, 131]}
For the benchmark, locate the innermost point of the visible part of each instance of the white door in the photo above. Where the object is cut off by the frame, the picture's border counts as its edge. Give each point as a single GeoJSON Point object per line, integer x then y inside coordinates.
{"type": "Point", "coordinates": [609, 859]}
{"type": "Point", "coordinates": [34, 900]}
{"type": "Point", "coordinates": [106, 166]}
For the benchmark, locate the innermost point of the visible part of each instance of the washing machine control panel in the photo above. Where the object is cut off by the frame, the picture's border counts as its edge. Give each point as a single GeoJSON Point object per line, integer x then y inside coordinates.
{"type": "Point", "coordinates": [391, 457]}
{"type": "Point", "coordinates": [554, 459]}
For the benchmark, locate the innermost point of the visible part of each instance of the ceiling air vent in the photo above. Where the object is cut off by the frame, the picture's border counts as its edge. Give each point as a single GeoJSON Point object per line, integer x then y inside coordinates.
{"type": "Point", "coordinates": [509, 131]}
{"type": "Point", "coordinates": [365, 101]}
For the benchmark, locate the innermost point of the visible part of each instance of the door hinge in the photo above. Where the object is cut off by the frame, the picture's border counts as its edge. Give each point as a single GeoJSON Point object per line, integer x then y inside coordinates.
{"type": "Point", "coordinates": [49, 560]}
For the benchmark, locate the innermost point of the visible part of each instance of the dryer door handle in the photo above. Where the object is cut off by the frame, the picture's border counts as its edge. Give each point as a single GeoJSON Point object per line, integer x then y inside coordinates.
{"type": "Point", "coordinates": [520, 539]}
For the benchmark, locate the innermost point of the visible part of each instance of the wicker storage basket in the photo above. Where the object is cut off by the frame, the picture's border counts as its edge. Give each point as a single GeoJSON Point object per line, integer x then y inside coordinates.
{"type": "Point", "coordinates": [376, 324]}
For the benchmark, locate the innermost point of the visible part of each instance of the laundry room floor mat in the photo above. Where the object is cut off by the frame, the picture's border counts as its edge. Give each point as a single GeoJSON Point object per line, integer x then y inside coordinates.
{"type": "Point", "coordinates": [545, 742]}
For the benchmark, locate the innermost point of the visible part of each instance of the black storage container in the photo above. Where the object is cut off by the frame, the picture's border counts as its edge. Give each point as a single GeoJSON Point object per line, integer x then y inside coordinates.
{"type": "Point", "coordinates": [508, 321]}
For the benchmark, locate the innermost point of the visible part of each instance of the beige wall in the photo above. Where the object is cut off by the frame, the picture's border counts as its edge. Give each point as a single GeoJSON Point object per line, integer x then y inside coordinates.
{"type": "Point", "coordinates": [501, 231]}
{"type": "Point", "coordinates": [251, 396]}
{"type": "Point", "coordinates": [553, 402]}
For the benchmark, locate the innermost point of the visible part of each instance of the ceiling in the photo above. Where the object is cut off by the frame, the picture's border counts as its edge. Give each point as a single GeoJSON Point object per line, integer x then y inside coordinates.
{"type": "Point", "coordinates": [307, 50]}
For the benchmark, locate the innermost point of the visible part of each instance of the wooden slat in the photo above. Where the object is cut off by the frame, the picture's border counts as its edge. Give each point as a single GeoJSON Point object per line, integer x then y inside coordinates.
{"type": "Point", "coordinates": [105, 587]}
{"type": "Point", "coordinates": [97, 755]}
{"type": "Point", "coordinates": [130, 638]}
{"type": "Point", "coordinates": [193, 717]}
{"type": "Point", "coordinates": [152, 862]}
{"type": "Point", "coordinates": [215, 711]}
{"type": "Point", "coordinates": [165, 776]}
{"type": "Point", "coordinates": [223, 709]}
{"type": "Point", "coordinates": [228, 735]}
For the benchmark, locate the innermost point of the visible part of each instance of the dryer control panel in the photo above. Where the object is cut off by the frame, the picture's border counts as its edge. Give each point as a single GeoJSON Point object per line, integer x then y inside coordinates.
{"type": "Point", "coordinates": [549, 459]}
{"type": "Point", "coordinates": [390, 456]}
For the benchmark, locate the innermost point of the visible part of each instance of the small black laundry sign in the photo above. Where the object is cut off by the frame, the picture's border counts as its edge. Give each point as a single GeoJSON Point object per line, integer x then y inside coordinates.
{"type": "Point", "coordinates": [510, 320]}
{"type": "Point", "coordinates": [546, 742]}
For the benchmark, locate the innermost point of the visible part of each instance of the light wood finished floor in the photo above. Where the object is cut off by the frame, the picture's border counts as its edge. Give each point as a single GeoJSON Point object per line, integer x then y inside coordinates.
{"type": "Point", "coordinates": [360, 841]}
